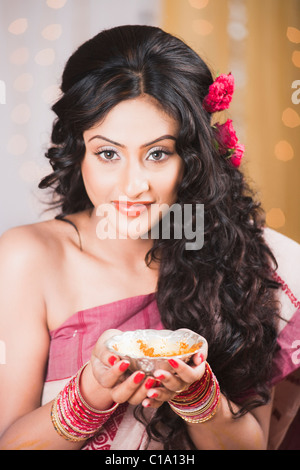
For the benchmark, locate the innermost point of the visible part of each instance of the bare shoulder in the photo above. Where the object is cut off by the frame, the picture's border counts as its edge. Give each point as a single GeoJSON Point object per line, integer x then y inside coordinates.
{"type": "Point", "coordinates": [30, 259]}
{"type": "Point", "coordinates": [22, 238]}
{"type": "Point", "coordinates": [26, 259]}
{"type": "Point", "coordinates": [34, 260]}
{"type": "Point", "coordinates": [20, 245]}
{"type": "Point", "coordinates": [33, 242]}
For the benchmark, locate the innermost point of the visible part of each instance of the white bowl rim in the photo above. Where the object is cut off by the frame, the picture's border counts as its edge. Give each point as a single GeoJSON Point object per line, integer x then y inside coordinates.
{"type": "Point", "coordinates": [164, 333]}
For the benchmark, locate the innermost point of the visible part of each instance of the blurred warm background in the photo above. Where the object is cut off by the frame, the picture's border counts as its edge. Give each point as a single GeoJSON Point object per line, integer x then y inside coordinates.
{"type": "Point", "coordinates": [257, 40]}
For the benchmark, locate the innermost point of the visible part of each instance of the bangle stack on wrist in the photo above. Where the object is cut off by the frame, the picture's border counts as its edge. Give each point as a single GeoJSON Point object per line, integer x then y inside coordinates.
{"type": "Point", "coordinates": [200, 402]}
{"type": "Point", "coordinates": [72, 417]}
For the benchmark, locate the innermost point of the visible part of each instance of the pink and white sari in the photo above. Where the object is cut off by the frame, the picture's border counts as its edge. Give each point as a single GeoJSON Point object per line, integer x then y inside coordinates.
{"type": "Point", "coordinates": [72, 343]}
{"type": "Point", "coordinates": [71, 346]}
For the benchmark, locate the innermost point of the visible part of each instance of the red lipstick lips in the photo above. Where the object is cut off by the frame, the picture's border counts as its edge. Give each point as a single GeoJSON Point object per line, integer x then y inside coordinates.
{"type": "Point", "coordinates": [131, 208]}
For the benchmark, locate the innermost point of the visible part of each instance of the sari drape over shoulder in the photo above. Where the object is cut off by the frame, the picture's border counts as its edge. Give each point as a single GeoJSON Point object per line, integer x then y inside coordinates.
{"type": "Point", "coordinates": [71, 345]}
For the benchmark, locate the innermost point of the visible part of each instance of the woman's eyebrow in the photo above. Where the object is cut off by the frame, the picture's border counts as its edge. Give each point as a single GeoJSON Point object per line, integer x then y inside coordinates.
{"type": "Point", "coordinates": [163, 137]}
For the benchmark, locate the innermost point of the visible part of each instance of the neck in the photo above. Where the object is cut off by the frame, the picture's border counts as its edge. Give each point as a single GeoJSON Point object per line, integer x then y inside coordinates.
{"type": "Point", "coordinates": [123, 250]}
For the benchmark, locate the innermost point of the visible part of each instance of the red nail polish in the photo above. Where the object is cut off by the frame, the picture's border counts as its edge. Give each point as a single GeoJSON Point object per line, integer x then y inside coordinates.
{"type": "Point", "coordinates": [173, 363]}
{"type": "Point", "coordinates": [112, 360]}
{"type": "Point", "coordinates": [149, 382]}
{"type": "Point", "coordinates": [138, 377]}
{"type": "Point", "coordinates": [153, 395]}
{"type": "Point", "coordinates": [201, 357]}
{"type": "Point", "coordinates": [161, 377]}
{"type": "Point", "coordinates": [123, 366]}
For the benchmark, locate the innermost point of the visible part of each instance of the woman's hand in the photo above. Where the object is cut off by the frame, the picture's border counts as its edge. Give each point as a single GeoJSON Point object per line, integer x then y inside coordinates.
{"type": "Point", "coordinates": [180, 377]}
{"type": "Point", "coordinates": [112, 374]}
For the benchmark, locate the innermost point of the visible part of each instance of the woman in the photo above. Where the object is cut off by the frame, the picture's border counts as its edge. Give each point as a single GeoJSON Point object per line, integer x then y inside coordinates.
{"type": "Point", "coordinates": [134, 135]}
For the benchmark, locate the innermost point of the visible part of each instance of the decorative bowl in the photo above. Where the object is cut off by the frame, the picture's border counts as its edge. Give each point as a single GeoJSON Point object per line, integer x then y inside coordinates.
{"type": "Point", "coordinates": [148, 350]}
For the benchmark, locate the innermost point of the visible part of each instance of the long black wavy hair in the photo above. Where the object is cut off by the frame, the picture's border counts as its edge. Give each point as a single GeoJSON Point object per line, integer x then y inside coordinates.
{"type": "Point", "coordinates": [225, 290]}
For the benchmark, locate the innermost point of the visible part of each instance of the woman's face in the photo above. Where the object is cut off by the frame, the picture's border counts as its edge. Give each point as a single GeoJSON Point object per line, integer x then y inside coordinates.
{"type": "Point", "coordinates": [131, 158]}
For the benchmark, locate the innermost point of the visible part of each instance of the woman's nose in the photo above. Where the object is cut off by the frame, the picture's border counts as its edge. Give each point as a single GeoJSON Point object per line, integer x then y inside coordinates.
{"type": "Point", "coordinates": [135, 181]}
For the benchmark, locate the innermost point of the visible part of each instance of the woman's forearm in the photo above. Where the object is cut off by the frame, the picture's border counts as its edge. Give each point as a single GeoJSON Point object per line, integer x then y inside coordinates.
{"type": "Point", "coordinates": [35, 431]}
{"type": "Point", "coordinates": [224, 432]}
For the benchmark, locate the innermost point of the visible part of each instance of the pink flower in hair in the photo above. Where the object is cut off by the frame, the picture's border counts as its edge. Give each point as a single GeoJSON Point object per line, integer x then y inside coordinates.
{"type": "Point", "coordinates": [220, 94]}
{"type": "Point", "coordinates": [226, 136]}
{"type": "Point", "coordinates": [227, 143]}
{"type": "Point", "coordinates": [237, 155]}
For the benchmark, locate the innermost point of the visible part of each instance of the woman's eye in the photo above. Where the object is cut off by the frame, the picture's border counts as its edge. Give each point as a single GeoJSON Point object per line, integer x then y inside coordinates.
{"type": "Point", "coordinates": [107, 155]}
{"type": "Point", "coordinates": [158, 155]}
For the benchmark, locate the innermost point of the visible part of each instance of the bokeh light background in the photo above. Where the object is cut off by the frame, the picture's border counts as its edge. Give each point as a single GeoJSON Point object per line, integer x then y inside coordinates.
{"type": "Point", "coordinates": [257, 40]}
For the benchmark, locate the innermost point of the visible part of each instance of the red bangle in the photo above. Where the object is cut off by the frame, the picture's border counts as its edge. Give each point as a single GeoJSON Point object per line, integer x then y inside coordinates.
{"type": "Point", "coordinates": [72, 417]}
{"type": "Point", "coordinates": [200, 401]}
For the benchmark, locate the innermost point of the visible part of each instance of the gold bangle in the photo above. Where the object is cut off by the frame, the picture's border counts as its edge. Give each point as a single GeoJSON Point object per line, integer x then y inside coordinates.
{"type": "Point", "coordinates": [185, 410]}
{"type": "Point", "coordinates": [60, 418]}
{"type": "Point", "coordinates": [202, 420]}
{"type": "Point", "coordinates": [93, 410]}
{"type": "Point", "coordinates": [59, 428]}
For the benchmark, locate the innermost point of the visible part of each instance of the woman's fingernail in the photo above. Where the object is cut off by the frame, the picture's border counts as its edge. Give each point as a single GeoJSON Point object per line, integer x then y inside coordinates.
{"type": "Point", "coordinates": [149, 382]}
{"type": "Point", "coordinates": [152, 394]}
{"type": "Point", "coordinates": [160, 377]}
{"type": "Point", "coordinates": [173, 363]}
{"type": "Point", "coordinates": [145, 403]}
{"type": "Point", "coordinates": [123, 366]}
{"type": "Point", "coordinates": [138, 377]}
{"type": "Point", "coordinates": [112, 360]}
